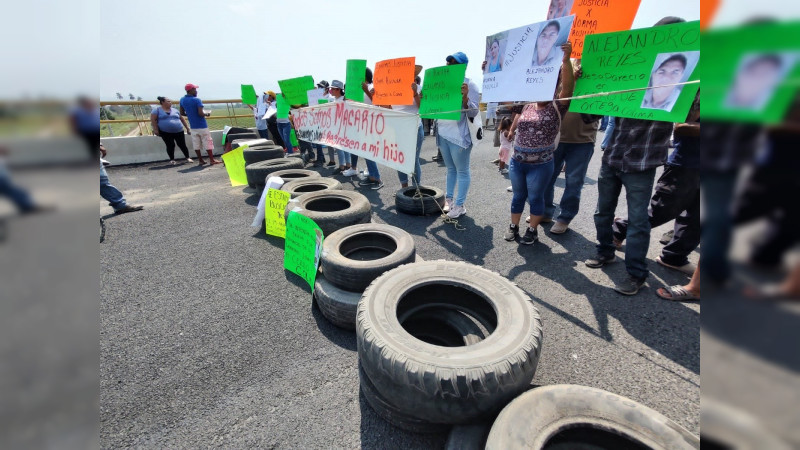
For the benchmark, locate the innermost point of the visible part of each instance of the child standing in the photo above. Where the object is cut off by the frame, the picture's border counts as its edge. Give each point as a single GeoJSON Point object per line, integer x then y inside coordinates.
{"type": "Point", "coordinates": [505, 145]}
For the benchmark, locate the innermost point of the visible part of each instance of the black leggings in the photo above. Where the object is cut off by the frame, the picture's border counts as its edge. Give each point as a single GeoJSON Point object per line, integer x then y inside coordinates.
{"type": "Point", "coordinates": [170, 139]}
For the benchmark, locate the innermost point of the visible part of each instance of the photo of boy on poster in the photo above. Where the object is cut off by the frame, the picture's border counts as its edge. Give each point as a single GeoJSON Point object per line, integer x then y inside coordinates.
{"type": "Point", "coordinates": [547, 50]}
{"type": "Point", "coordinates": [559, 8]}
{"type": "Point", "coordinates": [669, 69]}
{"type": "Point", "coordinates": [757, 77]}
{"type": "Point", "coordinates": [495, 48]}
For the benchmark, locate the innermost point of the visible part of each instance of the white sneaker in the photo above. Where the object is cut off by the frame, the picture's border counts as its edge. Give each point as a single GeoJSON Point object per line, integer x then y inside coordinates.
{"type": "Point", "coordinates": [509, 189]}
{"type": "Point", "coordinates": [189, 160]}
{"type": "Point", "coordinates": [448, 203]}
{"type": "Point", "coordinates": [363, 176]}
{"type": "Point", "coordinates": [457, 211]}
{"type": "Point", "coordinates": [350, 172]}
{"type": "Point", "coordinates": [365, 172]}
{"type": "Point", "coordinates": [105, 163]}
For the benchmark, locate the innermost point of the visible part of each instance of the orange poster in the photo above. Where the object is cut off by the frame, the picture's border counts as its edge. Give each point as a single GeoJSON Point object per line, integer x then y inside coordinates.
{"type": "Point", "coordinates": [392, 82]}
{"type": "Point", "coordinates": [600, 16]}
{"type": "Point", "coordinates": [708, 8]}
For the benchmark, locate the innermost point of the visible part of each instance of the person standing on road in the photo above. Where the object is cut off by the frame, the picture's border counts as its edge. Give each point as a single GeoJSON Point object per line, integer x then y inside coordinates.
{"type": "Point", "coordinates": [337, 93]}
{"type": "Point", "coordinates": [192, 108]}
{"type": "Point", "coordinates": [168, 123]}
{"type": "Point", "coordinates": [455, 142]}
{"type": "Point", "coordinates": [535, 133]}
{"type": "Point", "coordinates": [114, 197]}
{"type": "Point", "coordinates": [413, 108]}
{"type": "Point", "coordinates": [636, 149]}
{"type": "Point", "coordinates": [262, 104]}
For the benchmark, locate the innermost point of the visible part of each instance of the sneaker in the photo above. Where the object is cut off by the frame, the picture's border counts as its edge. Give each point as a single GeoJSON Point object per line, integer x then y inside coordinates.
{"type": "Point", "coordinates": [331, 163]}
{"type": "Point", "coordinates": [365, 172]}
{"type": "Point", "coordinates": [173, 162]}
{"type": "Point", "coordinates": [512, 233]}
{"type": "Point", "coordinates": [666, 237]}
{"type": "Point", "coordinates": [448, 203]}
{"type": "Point", "coordinates": [350, 172]}
{"type": "Point", "coordinates": [189, 160]}
{"type": "Point", "coordinates": [559, 228]}
{"type": "Point", "coordinates": [504, 171]}
{"type": "Point", "coordinates": [600, 261]}
{"type": "Point", "coordinates": [105, 162]}
{"type": "Point", "coordinates": [377, 185]}
{"type": "Point", "coordinates": [319, 163]}
{"type": "Point", "coordinates": [629, 286]}
{"type": "Point", "coordinates": [687, 268]}
{"type": "Point", "coordinates": [531, 236]}
{"type": "Point", "coordinates": [510, 189]}
{"type": "Point", "coordinates": [456, 211]}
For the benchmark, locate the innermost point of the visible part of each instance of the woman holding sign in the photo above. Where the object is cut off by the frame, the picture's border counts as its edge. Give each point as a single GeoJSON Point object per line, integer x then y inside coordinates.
{"type": "Point", "coordinates": [535, 133]}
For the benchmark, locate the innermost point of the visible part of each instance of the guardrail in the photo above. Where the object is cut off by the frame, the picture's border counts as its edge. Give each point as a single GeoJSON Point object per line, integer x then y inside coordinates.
{"type": "Point", "coordinates": [141, 116]}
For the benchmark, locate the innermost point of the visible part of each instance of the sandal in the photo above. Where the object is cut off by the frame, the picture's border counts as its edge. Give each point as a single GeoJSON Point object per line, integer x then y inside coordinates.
{"type": "Point", "coordinates": [676, 293]}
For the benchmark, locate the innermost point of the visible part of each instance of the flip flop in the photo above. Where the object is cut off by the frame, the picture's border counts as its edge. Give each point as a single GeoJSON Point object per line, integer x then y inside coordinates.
{"type": "Point", "coordinates": [676, 293]}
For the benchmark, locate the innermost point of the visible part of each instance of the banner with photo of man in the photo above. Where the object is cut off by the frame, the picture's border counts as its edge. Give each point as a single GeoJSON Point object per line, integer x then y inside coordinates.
{"type": "Point", "coordinates": [523, 64]}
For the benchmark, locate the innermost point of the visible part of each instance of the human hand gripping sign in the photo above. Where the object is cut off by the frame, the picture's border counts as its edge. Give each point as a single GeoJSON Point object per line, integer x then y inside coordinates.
{"type": "Point", "coordinates": [567, 48]}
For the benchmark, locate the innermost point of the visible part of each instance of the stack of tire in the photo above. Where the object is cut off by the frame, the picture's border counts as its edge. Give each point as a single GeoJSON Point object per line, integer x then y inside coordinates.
{"type": "Point", "coordinates": [351, 259]}
{"type": "Point", "coordinates": [443, 343]}
{"type": "Point", "coordinates": [332, 210]}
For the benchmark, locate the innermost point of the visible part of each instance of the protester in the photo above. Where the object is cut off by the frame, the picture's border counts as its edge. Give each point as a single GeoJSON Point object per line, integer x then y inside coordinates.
{"type": "Point", "coordinates": [262, 105]}
{"type": "Point", "coordinates": [677, 197]}
{"type": "Point", "coordinates": [413, 108]}
{"type": "Point", "coordinates": [685, 293]}
{"type": "Point", "coordinates": [506, 146]}
{"type": "Point", "coordinates": [636, 149]}
{"type": "Point", "coordinates": [114, 197]}
{"type": "Point", "coordinates": [337, 94]}
{"type": "Point", "coordinates": [574, 151]}
{"type": "Point", "coordinates": [192, 108]}
{"type": "Point", "coordinates": [532, 162]}
{"type": "Point", "coordinates": [609, 131]}
{"type": "Point", "coordinates": [85, 122]}
{"type": "Point", "coordinates": [285, 130]}
{"type": "Point", "coordinates": [168, 123]}
{"type": "Point", "coordinates": [455, 143]}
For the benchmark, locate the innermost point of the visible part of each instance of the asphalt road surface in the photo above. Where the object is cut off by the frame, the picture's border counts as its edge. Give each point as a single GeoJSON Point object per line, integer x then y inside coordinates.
{"type": "Point", "coordinates": [207, 341]}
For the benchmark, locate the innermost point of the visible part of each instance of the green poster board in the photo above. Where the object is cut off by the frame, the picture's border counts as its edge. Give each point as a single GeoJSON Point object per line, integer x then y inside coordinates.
{"type": "Point", "coordinates": [303, 246]}
{"type": "Point", "coordinates": [234, 164]}
{"type": "Point", "coordinates": [637, 59]}
{"type": "Point", "coordinates": [442, 92]}
{"type": "Point", "coordinates": [752, 74]}
{"type": "Point", "coordinates": [322, 101]}
{"type": "Point", "coordinates": [282, 107]}
{"type": "Point", "coordinates": [274, 211]}
{"type": "Point", "coordinates": [296, 89]}
{"type": "Point", "coordinates": [356, 73]}
{"type": "Point", "coordinates": [295, 144]}
{"type": "Point", "coordinates": [249, 96]}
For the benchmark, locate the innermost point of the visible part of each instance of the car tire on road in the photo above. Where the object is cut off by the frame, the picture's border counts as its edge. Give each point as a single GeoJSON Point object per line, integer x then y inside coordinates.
{"type": "Point", "coordinates": [296, 174]}
{"type": "Point", "coordinates": [332, 210]}
{"type": "Point", "coordinates": [431, 201]}
{"type": "Point", "coordinates": [355, 256]}
{"type": "Point", "coordinates": [257, 172]}
{"type": "Point", "coordinates": [302, 186]}
{"type": "Point", "coordinates": [448, 385]}
{"type": "Point", "coordinates": [581, 416]}
{"type": "Point", "coordinates": [337, 305]}
{"type": "Point", "coordinates": [257, 154]}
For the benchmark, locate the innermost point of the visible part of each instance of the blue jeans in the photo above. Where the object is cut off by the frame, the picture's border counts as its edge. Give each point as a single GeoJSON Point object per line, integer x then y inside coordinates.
{"type": "Point", "coordinates": [285, 129]}
{"type": "Point", "coordinates": [529, 182]}
{"type": "Point", "coordinates": [638, 189]}
{"type": "Point", "coordinates": [19, 196]}
{"type": "Point", "coordinates": [576, 157]}
{"type": "Point", "coordinates": [417, 169]}
{"type": "Point", "coordinates": [263, 133]}
{"type": "Point", "coordinates": [603, 123]}
{"type": "Point", "coordinates": [457, 161]}
{"type": "Point", "coordinates": [717, 189]}
{"type": "Point", "coordinates": [320, 153]}
{"type": "Point", "coordinates": [343, 156]}
{"type": "Point", "coordinates": [110, 193]}
{"type": "Point", "coordinates": [372, 168]}
{"type": "Point", "coordinates": [609, 132]}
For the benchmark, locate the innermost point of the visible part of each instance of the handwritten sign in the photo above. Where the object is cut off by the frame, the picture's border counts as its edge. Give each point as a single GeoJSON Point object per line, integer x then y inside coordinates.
{"type": "Point", "coordinates": [234, 164]}
{"type": "Point", "coordinates": [274, 212]}
{"type": "Point", "coordinates": [303, 245]}
{"type": "Point", "coordinates": [523, 64]}
{"type": "Point", "coordinates": [378, 134]}
{"type": "Point", "coordinates": [315, 95]}
{"type": "Point", "coordinates": [749, 78]}
{"type": "Point", "coordinates": [356, 74]}
{"type": "Point", "coordinates": [442, 92]}
{"type": "Point", "coordinates": [392, 82]}
{"type": "Point", "coordinates": [249, 96]}
{"type": "Point", "coordinates": [282, 107]}
{"type": "Point", "coordinates": [600, 16]}
{"type": "Point", "coordinates": [296, 89]}
{"type": "Point", "coordinates": [657, 58]}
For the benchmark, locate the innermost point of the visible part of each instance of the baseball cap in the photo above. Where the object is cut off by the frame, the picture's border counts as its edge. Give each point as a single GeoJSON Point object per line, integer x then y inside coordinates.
{"type": "Point", "coordinates": [322, 84]}
{"type": "Point", "coordinates": [190, 86]}
{"type": "Point", "coordinates": [458, 57]}
{"type": "Point", "coordinates": [336, 84]}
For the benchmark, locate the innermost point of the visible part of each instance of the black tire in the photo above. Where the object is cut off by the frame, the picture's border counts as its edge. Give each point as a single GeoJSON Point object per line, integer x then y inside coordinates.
{"type": "Point", "coordinates": [384, 409]}
{"type": "Point", "coordinates": [332, 210]}
{"type": "Point", "coordinates": [305, 185]}
{"type": "Point", "coordinates": [448, 385]}
{"type": "Point", "coordinates": [431, 202]}
{"type": "Point", "coordinates": [236, 143]}
{"type": "Point", "coordinates": [296, 174]}
{"type": "Point", "coordinates": [240, 135]}
{"type": "Point", "coordinates": [257, 172]}
{"type": "Point", "coordinates": [355, 256]}
{"type": "Point", "coordinates": [579, 417]}
{"type": "Point", "coordinates": [337, 305]}
{"type": "Point", "coordinates": [258, 154]}
{"type": "Point", "coordinates": [468, 437]}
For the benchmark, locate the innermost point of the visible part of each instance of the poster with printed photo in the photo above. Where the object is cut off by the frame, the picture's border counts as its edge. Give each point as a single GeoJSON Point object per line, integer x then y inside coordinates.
{"type": "Point", "coordinates": [528, 61]}
{"type": "Point", "coordinates": [669, 70]}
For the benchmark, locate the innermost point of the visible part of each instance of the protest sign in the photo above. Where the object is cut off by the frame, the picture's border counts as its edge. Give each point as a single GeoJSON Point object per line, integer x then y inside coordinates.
{"type": "Point", "coordinates": [356, 74]}
{"type": "Point", "coordinates": [315, 95]}
{"type": "Point", "coordinates": [559, 8]}
{"type": "Point", "coordinates": [653, 60]}
{"type": "Point", "coordinates": [303, 246]}
{"type": "Point", "coordinates": [442, 92]}
{"type": "Point", "coordinates": [249, 96]}
{"type": "Point", "coordinates": [293, 138]}
{"type": "Point", "coordinates": [600, 16]}
{"type": "Point", "coordinates": [392, 82]}
{"type": "Point", "coordinates": [748, 77]}
{"type": "Point", "coordinates": [296, 89]}
{"type": "Point", "coordinates": [234, 164]}
{"type": "Point", "coordinates": [225, 130]}
{"type": "Point", "coordinates": [378, 134]}
{"type": "Point", "coordinates": [523, 64]}
{"type": "Point", "coordinates": [282, 107]}
{"type": "Point", "coordinates": [275, 208]}
{"type": "Point", "coordinates": [708, 9]}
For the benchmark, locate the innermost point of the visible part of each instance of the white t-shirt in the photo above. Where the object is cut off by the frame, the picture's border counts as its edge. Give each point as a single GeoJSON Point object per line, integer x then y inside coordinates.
{"type": "Point", "coordinates": [367, 100]}
{"type": "Point", "coordinates": [411, 109]}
